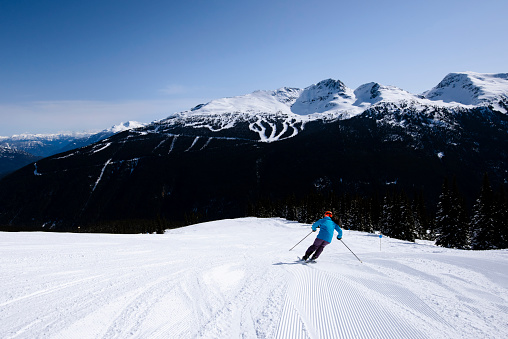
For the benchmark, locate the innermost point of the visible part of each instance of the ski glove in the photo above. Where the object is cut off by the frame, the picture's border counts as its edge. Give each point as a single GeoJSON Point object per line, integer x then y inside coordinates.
{"type": "Point", "coordinates": [338, 238]}
{"type": "Point", "coordinates": [313, 230]}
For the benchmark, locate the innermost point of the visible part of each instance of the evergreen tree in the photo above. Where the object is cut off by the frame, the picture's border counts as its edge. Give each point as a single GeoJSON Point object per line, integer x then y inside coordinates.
{"type": "Point", "coordinates": [501, 217]}
{"type": "Point", "coordinates": [463, 235]}
{"type": "Point", "coordinates": [489, 223]}
{"type": "Point", "coordinates": [292, 208]}
{"type": "Point", "coordinates": [451, 219]}
{"type": "Point", "coordinates": [350, 216]}
{"type": "Point", "coordinates": [357, 214]}
{"type": "Point", "coordinates": [366, 216]}
{"type": "Point", "coordinates": [397, 218]}
{"type": "Point", "coordinates": [404, 226]}
{"type": "Point", "coordinates": [443, 208]}
{"type": "Point", "coordinates": [483, 224]}
{"type": "Point", "coordinates": [375, 210]}
{"type": "Point", "coordinates": [386, 219]}
{"type": "Point", "coordinates": [422, 222]}
{"type": "Point", "coordinates": [408, 230]}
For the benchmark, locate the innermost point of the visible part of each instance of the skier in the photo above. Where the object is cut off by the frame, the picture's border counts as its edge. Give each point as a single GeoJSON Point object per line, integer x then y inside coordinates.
{"type": "Point", "coordinates": [324, 237]}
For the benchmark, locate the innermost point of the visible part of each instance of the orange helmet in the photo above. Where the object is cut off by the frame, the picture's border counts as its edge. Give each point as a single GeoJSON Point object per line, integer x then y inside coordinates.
{"type": "Point", "coordinates": [328, 214]}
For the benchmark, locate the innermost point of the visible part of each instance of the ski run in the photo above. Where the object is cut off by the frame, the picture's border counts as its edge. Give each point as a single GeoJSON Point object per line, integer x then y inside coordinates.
{"type": "Point", "coordinates": [238, 279]}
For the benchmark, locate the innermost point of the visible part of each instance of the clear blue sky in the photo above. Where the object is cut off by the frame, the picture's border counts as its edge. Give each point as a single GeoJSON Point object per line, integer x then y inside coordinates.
{"type": "Point", "coordinates": [68, 65]}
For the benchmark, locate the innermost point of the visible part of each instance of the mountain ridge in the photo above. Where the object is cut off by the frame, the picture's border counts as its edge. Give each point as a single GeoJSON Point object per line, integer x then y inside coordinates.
{"type": "Point", "coordinates": [217, 159]}
{"type": "Point", "coordinates": [330, 100]}
{"type": "Point", "coordinates": [22, 149]}
{"type": "Point", "coordinates": [271, 114]}
{"type": "Point", "coordinates": [470, 88]}
{"type": "Point", "coordinates": [333, 96]}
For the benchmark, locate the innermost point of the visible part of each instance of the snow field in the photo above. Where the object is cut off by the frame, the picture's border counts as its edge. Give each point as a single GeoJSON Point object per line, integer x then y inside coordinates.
{"type": "Point", "coordinates": [236, 278]}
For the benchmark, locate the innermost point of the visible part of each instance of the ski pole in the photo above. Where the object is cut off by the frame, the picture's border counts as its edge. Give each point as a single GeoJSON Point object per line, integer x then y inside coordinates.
{"type": "Point", "coordinates": [301, 240]}
{"type": "Point", "coordinates": [351, 251]}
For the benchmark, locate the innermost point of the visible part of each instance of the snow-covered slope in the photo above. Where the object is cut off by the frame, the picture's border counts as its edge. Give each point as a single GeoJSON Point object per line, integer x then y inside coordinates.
{"type": "Point", "coordinates": [256, 102]}
{"type": "Point", "coordinates": [272, 113]}
{"type": "Point", "coordinates": [237, 278]}
{"type": "Point", "coordinates": [373, 93]}
{"type": "Point", "coordinates": [324, 99]}
{"type": "Point", "coordinates": [124, 126]}
{"type": "Point", "coordinates": [326, 96]}
{"type": "Point", "coordinates": [334, 97]}
{"type": "Point", "coordinates": [470, 88]}
{"type": "Point", "coordinates": [283, 113]}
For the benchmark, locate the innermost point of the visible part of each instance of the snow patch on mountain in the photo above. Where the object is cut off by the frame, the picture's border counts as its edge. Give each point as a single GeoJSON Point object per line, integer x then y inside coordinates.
{"type": "Point", "coordinates": [470, 88]}
{"type": "Point", "coordinates": [256, 102]}
{"type": "Point", "coordinates": [327, 96]}
{"type": "Point", "coordinates": [281, 114]}
{"type": "Point", "coordinates": [372, 93]}
{"type": "Point", "coordinates": [124, 126]}
{"type": "Point", "coordinates": [333, 99]}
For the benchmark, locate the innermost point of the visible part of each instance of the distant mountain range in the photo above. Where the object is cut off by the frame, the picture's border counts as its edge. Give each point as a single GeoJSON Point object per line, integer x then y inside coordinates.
{"type": "Point", "coordinates": [19, 150]}
{"type": "Point", "coordinates": [331, 100]}
{"type": "Point", "coordinates": [216, 159]}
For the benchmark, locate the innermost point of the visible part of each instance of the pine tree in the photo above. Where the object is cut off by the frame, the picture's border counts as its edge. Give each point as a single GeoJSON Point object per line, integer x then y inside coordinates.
{"type": "Point", "coordinates": [463, 235]}
{"type": "Point", "coordinates": [357, 214]}
{"type": "Point", "coordinates": [386, 219]}
{"type": "Point", "coordinates": [502, 217]}
{"type": "Point", "coordinates": [288, 209]}
{"type": "Point", "coordinates": [443, 209]}
{"type": "Point", "coordinates": [451, 219]}
{"type": "Point", "coordinates": [408, 228]}
{"type": "Point", "coordinates": [489, 223]}
{"type": "Point", "coordinates": [422, 222]}
{"type": "Point", "coordinates": [404, 227]}
{"type": "Point", "coordinates": [366, 216]}
{"type": "Point", "coordinates": [482, 223]}
{"type": "Point", "coordinates": [397, 218]}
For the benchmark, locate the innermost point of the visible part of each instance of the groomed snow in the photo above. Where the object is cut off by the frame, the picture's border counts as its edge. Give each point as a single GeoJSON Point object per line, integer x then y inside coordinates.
{"type": "Point", "coordinates": [237, 278]}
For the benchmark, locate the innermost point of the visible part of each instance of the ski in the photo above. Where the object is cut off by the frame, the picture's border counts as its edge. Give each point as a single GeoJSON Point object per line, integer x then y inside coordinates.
{"type": "Point", "coordinates": [308, 261]}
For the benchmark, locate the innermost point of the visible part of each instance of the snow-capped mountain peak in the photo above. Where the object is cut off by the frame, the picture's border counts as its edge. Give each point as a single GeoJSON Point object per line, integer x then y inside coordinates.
{"type": "Point", "coordinates": [124, 126]}
{"type": "Point", "coordinates": [372, 93]}
{"type": "Point", "coordinates": [332, 98]}
{"type": "Point", "coordinates": [256, 102]}
{"type": "Point", "coordinates": [327, 87]}
{"type": "Point", "coordinates": [287, 95]}
{"type": "Point", "coordinates": [325, 96]}
{"type": "Point", "coordinates": [470, 88]}
{"type": "Point", "coordinates": [282, 113]}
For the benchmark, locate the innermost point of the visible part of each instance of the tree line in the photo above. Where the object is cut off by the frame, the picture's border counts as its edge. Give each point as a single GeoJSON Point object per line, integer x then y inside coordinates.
{"type": "Point", "coordinates": [486, 227]}
{"type": "Point", "coordinates": [395, 214]}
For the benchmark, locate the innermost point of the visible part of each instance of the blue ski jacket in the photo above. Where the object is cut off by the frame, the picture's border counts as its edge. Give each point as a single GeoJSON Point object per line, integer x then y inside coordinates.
{"type": "Point", "coordinates": [326, 227]}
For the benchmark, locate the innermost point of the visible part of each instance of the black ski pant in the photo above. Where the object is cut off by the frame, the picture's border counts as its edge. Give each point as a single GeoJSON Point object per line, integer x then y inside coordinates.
{"type": "Point", "coordinates": [317, 247]}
